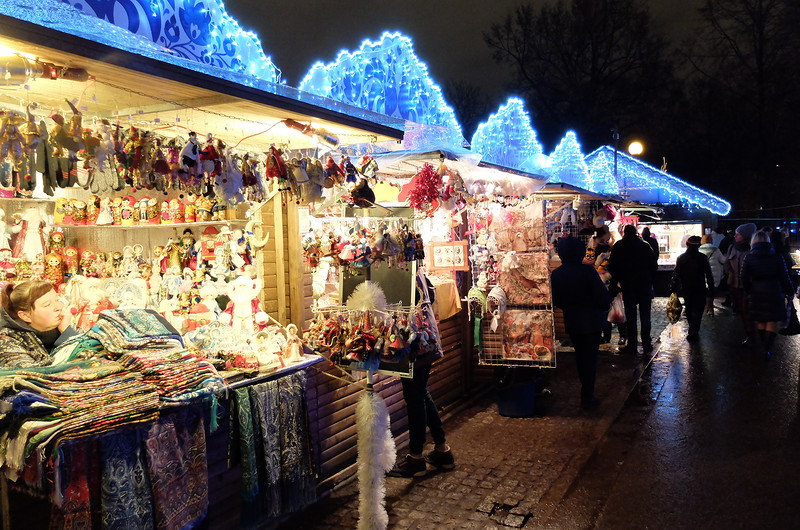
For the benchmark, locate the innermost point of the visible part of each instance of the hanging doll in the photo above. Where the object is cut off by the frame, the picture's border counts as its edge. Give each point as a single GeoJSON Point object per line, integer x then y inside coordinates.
{"type": "Point", "coordinates": [67, 136]}
{"type": "Point", "coordinates": [190, 160]}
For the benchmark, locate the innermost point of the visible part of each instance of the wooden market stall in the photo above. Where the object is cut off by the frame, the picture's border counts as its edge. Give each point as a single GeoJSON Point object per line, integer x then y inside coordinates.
{"type": "Point", "coordinates": [71, 75]}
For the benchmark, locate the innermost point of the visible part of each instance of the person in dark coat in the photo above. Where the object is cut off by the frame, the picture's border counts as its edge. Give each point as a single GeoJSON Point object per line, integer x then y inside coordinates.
{"type": "Point", "coordinates": [767, 284]}
{"type": "Point", "coordinates": [693, 279]}
{"type": "Point", "coordinates": [648, 238]}
{"type": "Point", "coordinates": [632, 265]}
{"type": "Point", "coordinates": [580, 293]}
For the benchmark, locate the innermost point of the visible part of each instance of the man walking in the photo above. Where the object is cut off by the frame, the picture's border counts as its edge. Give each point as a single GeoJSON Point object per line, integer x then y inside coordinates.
{"type": "Point", "coordinates": [581, 294]}
{"type": "Point", "coordinates": [632, 265]}
{"type": "Point", "coordinates": [693, 279]}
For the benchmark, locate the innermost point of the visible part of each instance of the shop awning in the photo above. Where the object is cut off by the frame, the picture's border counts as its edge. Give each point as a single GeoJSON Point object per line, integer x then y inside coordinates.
{"type": "Point", "coordinates": [645, 184]}
{"type": "Point", "coordinates": [136, 83]}
{"type": "Point", "coordinates": [479, 177]}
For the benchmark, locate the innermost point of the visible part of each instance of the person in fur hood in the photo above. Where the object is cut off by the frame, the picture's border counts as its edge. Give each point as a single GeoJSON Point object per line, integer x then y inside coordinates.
{"type": "Point", "coordinates": [33, 321]}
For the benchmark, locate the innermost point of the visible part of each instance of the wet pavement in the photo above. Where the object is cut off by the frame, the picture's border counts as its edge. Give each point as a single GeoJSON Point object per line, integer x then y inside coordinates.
{"type": "Point", "coordinates": [710, 440]}
{"type": "Point", "coordinates": [511, 472]}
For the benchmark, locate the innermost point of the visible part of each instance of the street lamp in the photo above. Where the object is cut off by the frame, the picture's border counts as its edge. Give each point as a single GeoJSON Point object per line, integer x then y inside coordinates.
{"type": "Point", "coordinates": [615, 137]}
{"type": "Point", "coordinates": [635, 148]}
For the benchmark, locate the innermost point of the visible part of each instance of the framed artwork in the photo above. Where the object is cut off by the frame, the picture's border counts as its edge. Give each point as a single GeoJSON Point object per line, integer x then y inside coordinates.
{"type": "Point", "coordinates": [449, 256]}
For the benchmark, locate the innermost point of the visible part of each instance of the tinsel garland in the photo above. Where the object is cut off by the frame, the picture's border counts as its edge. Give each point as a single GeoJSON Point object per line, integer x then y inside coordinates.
{"type": "Point", "coordinates": [427, 189]}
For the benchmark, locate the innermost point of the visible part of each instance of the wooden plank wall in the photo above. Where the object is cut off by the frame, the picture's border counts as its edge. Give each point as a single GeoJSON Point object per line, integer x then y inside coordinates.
{"type": "Point", "coordinates": [332, 403]}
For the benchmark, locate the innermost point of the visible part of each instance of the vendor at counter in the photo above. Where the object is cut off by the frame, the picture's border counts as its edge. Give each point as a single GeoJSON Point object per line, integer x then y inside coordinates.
{"type": "Point", "coordinates": [33, 321]}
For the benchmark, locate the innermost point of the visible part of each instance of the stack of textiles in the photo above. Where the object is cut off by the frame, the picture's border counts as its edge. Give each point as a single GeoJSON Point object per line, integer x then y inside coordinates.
{"type": "Point", "coordinates": [48, 405]}
{"type": "Point", "coordinates": [178, 375]}
{"type": "Point", "coordinates": [142, 341]}
{"type": "Point", "coordinates": [121, 330]}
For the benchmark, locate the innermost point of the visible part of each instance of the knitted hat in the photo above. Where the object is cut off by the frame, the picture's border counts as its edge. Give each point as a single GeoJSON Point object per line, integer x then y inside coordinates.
{"type": "Point", "coordinates": [746, 230]}
{"type": "Point", "coordinates": [693, 240]}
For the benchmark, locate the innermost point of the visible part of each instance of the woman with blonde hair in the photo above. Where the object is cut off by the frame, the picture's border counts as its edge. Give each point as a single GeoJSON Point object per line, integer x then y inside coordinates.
{"type": "Point", "coordinates": [715, 257]}
{"type": "Point", "coordinates": [33, 321]}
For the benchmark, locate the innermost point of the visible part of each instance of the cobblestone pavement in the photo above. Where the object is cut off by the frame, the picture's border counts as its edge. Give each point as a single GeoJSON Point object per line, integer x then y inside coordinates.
{"type": "Point", "coordinates": [511, 472]}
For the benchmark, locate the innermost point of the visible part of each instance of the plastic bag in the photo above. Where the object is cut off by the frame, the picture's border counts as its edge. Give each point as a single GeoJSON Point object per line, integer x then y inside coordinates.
{"type": "Point", "coordinates": [616, 315]}
{"type": "Point", "coordinates": [674, 308]}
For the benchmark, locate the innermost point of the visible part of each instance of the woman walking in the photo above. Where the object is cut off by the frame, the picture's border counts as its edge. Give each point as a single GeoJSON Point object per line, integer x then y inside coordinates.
{"type": "Point", "coordinates": [766, 281]}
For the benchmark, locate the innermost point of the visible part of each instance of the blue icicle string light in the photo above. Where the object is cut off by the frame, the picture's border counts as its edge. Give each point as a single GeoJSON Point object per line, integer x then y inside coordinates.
{"type": "Point", "coordinates": [384, 76]}
{"type": "Point", "coordinates": [569, 165]}
{"type": "Point", "coordinates": [508, 139]}
{"type": "Point", "coordinates": [647, 184]}
{"type": "Point", "coordinates": [198, 30]}
{"type": "Point", "coordinates": [601, 172]}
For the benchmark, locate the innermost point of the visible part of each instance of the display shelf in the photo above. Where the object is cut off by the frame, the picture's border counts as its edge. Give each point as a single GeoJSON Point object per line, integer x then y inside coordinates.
{"type": "Point", "coordinates": [163, 225]}
{"type": "Point", "coordinates": [29, 199]}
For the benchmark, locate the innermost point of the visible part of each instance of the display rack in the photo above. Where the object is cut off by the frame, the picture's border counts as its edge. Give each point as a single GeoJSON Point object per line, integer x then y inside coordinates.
{"type": "Point", "coordinates": [519, 331]}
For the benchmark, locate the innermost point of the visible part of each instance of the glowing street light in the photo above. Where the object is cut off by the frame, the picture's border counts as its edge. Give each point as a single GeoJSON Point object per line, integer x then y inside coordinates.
{"type": "Point", "coordinates": [636, 148]}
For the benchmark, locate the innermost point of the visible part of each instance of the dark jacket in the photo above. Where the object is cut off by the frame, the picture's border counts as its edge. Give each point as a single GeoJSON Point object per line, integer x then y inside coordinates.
{"type": "Point", "coordinates": [692, 274]}
{"type": "Point", "coordinates": [632, 264]}
{"type": "Point", "coordinates": [21, 346]}
{"type": "Point", "coordinates": [767, 283]}
{"type": "Point", "coordinates": [578, 291]}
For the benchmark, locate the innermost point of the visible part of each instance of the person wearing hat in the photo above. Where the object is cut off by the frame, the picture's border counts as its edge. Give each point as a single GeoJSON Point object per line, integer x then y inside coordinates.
{"type": "Point", "coordinates": [766, 281]}
{"type": "Point", "coordinates": [580, 293]}
{"type": "Point", "coordinates": [693, 279]}
{"type": "Point", "coordinates": [733, 269]}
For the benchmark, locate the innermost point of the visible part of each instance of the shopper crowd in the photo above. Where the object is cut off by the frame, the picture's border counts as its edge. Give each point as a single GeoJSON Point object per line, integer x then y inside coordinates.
{"type": "Point", "coordinates": [749, 267]}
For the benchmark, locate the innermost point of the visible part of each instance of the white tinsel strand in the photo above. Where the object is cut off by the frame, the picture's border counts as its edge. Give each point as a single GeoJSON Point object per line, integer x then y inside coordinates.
{"type": "Point", "coordinates": [376, 455]}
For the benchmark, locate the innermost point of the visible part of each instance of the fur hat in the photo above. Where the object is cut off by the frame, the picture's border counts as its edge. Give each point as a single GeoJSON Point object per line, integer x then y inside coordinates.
{"type": "Point", "coordinates": [746, 230]}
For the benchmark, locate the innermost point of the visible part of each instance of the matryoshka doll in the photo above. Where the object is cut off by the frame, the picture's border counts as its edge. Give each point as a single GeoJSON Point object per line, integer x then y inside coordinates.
{"type": "Point", "coordinates": [68, 212]}
{"type": "Point", "coordinates": [70, 255]}
{"type": "Point", "coordinates": [54, 269]}
{"type": "Point", "coordinates": [56, 240]}
{"type": "Point", "coordinates": [127, 211]}
{"type": "Point", "coordinates": [60, 211]}
{"type": "Point", "coordinates": [153, 212]}
{"type": "Point", "coordinates": [116, 210]}
{"type": "Point", "coordinates": [79, 213]}
{"type": "Point", "coordinates": [166, 213]}
{"type": "Point", "coordinates": [177, 211]}
{"type": "Point", "coordinates": [92, 209]}
{"type": "Point", "coordinates": [87, 263]}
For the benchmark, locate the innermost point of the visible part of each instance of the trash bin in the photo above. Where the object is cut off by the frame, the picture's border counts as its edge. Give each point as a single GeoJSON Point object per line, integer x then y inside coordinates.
{"type": "Point", "coordinates": [516, 391]}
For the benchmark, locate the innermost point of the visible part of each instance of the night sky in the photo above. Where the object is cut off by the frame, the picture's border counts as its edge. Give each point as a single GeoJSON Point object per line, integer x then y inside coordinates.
{"type": "Point", "coordinates": [447, 34]}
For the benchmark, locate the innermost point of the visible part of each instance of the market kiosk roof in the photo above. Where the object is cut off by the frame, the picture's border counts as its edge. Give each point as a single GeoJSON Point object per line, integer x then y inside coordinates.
{"type": "Point", "coordinates": [480, 177]}
{"type": "Point", "coordinates": [645, 184]}
{"type": "Point", "coordinates": [130, 77]}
